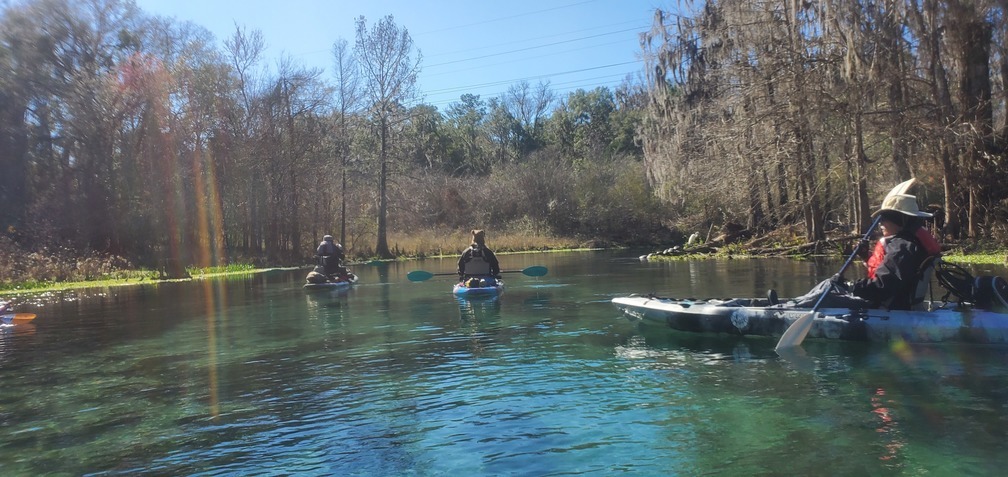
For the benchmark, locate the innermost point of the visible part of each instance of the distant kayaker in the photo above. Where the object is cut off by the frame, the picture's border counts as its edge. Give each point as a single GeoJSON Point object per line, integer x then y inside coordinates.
{"type": "Point", "coordinates": [894, 268]}
{"type": "Point", "coordinates": [330, 256]}
{"type": "Point", "coordinates": [478, 261]}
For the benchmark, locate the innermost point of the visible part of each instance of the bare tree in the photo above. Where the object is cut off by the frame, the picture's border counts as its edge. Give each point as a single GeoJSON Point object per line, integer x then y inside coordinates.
{"type": "Point", "coordinates": [529, 105]}
{"type": "Point", "coordinates": [244, 51]}
{"type": "Point", "coordinates": [390, 74]}
{"type": "Point", "coordinates": [348, 97]}
{"type": "Point", "coordinates": [770, 95]}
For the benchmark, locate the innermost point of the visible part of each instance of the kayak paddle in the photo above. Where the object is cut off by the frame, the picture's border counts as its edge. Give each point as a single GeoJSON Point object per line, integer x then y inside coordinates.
{"type": "Point", "coordinates": [795, 334]}
{"type": "Point", "coordinates": [422, 275]}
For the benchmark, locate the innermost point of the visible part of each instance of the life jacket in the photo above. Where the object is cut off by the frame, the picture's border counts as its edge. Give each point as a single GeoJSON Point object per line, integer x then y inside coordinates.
{"type": "Point", "coordinates": [328, 248]}
{"type": "Point", "coordinates": [477, 264]}
{"type": "Point", "coordinates": [877, 255]}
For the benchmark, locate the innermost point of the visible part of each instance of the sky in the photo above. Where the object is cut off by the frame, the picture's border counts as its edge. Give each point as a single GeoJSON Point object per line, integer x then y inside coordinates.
{"type": "Point", "coordinates": [466, 46]}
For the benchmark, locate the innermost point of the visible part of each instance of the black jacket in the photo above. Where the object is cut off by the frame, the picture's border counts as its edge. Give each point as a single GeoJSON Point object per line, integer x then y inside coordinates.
{"type": "Point", "coordinates": [896, 278]}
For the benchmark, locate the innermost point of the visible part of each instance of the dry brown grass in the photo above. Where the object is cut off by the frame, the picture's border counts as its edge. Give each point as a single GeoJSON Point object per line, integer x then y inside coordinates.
{"type": "Point", "coordinates": [431, 243]}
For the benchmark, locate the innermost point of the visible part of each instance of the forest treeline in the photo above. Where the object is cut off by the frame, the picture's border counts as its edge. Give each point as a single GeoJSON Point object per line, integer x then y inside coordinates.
{"type": "Point", "coordinates": [130, 135]}
{"type": "Point", "coordinates": [807, 112]}
{"type": "Point", "coordinates": [135, 136]}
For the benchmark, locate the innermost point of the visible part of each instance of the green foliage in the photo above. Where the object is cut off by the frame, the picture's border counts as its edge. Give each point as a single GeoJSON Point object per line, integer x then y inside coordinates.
{"type": "Point", "coordinates": [229, 268]}
{"type": "Point", "coordinates": [989, 258]}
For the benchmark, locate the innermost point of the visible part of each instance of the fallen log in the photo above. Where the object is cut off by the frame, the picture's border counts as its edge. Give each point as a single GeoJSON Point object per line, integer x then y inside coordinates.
{"type": "Point", "coordinates": [803, 249]}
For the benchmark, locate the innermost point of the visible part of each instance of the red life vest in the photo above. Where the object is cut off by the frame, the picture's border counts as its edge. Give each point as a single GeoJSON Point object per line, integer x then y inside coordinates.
{"type": "Point", "coordinates": [878, 253]}
{"type": "Point", "coordinates": [928, 241]}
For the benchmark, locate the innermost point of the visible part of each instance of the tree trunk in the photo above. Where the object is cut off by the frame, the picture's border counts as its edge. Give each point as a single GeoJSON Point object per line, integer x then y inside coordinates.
{"type": "Point", "coordinates": [382, 248]}
{"type": "Point", "coordinates": [863, 212]}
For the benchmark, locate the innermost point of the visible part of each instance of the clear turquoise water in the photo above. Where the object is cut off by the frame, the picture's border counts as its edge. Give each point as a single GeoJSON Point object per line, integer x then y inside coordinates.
{"type": "Point", "coordinates": [254, 376]}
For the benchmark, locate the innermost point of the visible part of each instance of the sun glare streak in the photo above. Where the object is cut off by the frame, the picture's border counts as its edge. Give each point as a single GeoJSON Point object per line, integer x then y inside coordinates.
{"type": "Point", "coordinates": [217, 215]}
{"type": "Point", "coordinates": [209, 212]}
{"type": "Point", "coordinates": [202, 219]}
{"type": "Point", "coordinates": [902, 350]}
{"type": "Point", "coordinates": [214, 295]}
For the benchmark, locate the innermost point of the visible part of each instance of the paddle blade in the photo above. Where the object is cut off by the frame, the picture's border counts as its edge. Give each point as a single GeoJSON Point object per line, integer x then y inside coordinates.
{"type": "Point", "coordinates": [419, 275]}
{"type": "Point", "coordinates": [795, 333]}
{"type": "Point", "coordinates": [536, 271]}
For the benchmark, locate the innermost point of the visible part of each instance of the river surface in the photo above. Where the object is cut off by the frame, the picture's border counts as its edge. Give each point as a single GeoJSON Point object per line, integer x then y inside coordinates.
{"type": "Point", "coordinates": [252, 375]}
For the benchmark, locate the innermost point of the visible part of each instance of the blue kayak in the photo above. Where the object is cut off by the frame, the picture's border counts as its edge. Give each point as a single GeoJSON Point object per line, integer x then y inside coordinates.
{"type": "Point", "coordinates": [462, 290]}
{"type": "Point", "coordinates": [332, 284]}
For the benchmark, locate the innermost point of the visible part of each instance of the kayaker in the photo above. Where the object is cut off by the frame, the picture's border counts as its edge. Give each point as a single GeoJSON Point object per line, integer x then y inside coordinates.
{"type": "Point", "coordinates": [893, 277]}
{"type": "Point", "coordinates": [330, 256]}
{"type": "Point", "coordinates": [894, 266]}
{"type": "Point", "coordinates": [478, 261]}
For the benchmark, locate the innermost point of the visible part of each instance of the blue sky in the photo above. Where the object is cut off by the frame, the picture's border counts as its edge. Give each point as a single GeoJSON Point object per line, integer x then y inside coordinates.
{"type": "Point", "coordinates": [471, 46]}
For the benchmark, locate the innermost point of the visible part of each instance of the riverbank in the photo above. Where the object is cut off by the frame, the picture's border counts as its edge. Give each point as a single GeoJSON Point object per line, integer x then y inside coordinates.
{"type": "Point", "coordinates": [24, 271]}
{"type": "Point", "coordinates": [142, 277]}
{"type": "Point", "coordinates": [962, 256]}
{"type": "Point", "coordinates": [782, 244]}
{"type": "Point", "coordinates": [121, 278]}
{"type": "Point", "coordinates": [129, 278]}
{"type": "Point", "coordinates": [92, 272]}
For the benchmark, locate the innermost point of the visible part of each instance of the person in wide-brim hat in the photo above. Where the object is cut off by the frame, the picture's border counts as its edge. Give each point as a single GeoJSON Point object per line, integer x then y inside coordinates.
{"type": "Point", "coordinates": [895, 265]}
{"type": "Point", "coordinates": [905, 204]}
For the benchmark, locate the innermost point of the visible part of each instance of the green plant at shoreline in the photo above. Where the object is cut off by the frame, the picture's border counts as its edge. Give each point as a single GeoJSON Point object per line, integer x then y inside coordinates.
{"type": "Point", "coordinates": [222, 269]}
{"type": "Point", "coordinates": [981, 258]}
{"type": "Point", "coordinates": [123, 277]}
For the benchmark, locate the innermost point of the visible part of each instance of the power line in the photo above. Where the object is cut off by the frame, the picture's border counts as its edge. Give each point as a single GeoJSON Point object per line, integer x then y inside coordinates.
{"type": "Point", "coordinates": [456, 71]}
{"type": "Point", "coordinates": [559, 88]}
{"type": "Point", "coordinates": [564, 34]}
{"type": "Point", "coordinates": [492, 20]}
{"type": "Point", "coordinates": [517, 80]}
{"type": "Point", "coordinates": [533, 47]}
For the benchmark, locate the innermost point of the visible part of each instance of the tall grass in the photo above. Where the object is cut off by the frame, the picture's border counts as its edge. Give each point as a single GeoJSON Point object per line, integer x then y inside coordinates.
{"type": "Point", "coordinates": [433, 243]}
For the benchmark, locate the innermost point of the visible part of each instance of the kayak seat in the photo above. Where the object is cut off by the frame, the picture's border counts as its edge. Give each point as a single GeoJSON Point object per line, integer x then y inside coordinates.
{"type": "Point", "coordinates": [924, 274]}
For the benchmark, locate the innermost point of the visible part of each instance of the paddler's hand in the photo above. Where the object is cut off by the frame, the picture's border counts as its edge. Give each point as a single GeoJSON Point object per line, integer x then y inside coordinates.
{"type": "Point", "coordinates": [840, 282]}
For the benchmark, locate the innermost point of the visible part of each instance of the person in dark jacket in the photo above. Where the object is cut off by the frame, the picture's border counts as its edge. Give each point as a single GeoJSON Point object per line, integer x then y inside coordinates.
{"type": "Point", "coordinates": [478, 261]}
{"type": "Point", "coordinates": [894, 269]}
{"type": "Point", "coordinates": [330, 256]}
{"type": "Point", "coordinates": [893, 282]}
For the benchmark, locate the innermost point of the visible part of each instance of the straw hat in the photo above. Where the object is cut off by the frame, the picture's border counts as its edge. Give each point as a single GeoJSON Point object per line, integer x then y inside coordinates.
{"type": "Point", "coordinates": [903, 203]}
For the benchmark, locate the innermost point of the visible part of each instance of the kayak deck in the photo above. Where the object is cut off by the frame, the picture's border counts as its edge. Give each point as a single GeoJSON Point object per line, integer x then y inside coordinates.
{"type": "Point", "coordinates": [462, 290]}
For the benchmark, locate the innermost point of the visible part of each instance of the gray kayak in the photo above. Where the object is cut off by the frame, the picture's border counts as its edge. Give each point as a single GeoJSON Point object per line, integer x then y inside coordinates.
{"type": "Point", "coordinates": [755, 317]}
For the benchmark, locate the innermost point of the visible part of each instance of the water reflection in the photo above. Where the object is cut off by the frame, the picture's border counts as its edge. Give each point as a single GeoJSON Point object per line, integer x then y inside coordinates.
{"type": "Point", "coordinates": [486, 308]}
{"type": "Point", "coordinates": [389, 377]}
